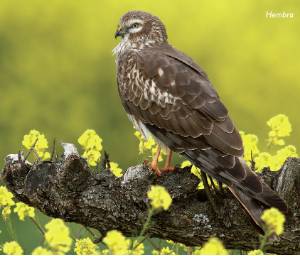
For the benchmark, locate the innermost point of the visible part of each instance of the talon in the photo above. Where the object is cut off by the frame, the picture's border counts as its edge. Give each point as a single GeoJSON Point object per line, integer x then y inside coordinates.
{"type": "Point", "coordinates": [168, 169]}
{"type": "Point", "coordinates": [155, 169]}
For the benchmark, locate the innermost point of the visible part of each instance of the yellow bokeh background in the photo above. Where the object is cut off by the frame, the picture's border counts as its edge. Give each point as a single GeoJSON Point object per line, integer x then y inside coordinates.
{"type": "Point", "coordinates": [57, 72]}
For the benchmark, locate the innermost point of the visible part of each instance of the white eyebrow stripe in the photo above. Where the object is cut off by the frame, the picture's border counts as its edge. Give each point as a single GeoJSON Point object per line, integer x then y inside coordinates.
{"type": "Point", "coordinates": [135, 30]}
{"type": "Point", "coordinates": [130, 22]}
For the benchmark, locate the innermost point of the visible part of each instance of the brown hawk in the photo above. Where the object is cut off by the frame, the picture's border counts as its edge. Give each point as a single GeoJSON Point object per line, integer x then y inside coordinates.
{"type": "Point", "coordinates": [169, 97]}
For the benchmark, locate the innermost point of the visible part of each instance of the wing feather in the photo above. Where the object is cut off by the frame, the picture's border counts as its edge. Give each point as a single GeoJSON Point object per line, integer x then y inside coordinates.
{"type": "Point", "coordinates": [169, 86]}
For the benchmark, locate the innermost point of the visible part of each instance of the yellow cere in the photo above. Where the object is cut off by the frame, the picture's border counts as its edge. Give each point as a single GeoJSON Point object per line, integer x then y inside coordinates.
{"type": "Point", "coordinates": [274, 220]}
{"type": "Point", "coordinates": [57, 236]}
{"type": "Point", "coordinates": [256, 252]}
{"type": "Point", "coordinates": [41, 251]}
{"type": "Point", "coordinates": [212, 247]}
{"type": "Point", "coordinates": [12, 248]}
{"type": "Point", "coordinates": [85, 246]}
{"type": "Point", "coordinates": [115, 169]}
{"type": "Point", "coordinates": [280, 128]}
{"type": "Point", "coordinates": [92, 145]}
{"type": "Point", "coordinates": [41, 145]}
{"type": "Point", "coordinates": [23, 210]}
{"type": "Point", "coordinates": [116, 242]}
{"type": "Point", "coordinates": [160, 198]}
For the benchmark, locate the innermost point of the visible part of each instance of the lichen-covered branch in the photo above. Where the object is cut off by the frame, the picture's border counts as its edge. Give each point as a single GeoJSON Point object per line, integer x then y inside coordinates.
{"type": "Point", "coordinates": [69, 189]}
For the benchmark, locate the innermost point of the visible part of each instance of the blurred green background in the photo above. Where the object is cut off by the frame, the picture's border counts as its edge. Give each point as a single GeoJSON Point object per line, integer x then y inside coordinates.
{"type": "Point", "coordinates": [57, 72]}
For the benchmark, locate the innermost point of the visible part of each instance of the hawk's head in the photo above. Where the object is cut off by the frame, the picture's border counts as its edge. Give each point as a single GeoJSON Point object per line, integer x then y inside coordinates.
{"type": "Point", "coordinates": [141, 29]}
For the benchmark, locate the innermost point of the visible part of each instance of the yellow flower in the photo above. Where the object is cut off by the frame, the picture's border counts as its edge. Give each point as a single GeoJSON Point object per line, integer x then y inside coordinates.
{"type": "Point", "coordinates": [115, 169]}
{"type": "Point", "coordinates": [212, 246]}
{"type": "Point", "coordinates": [160, 198]}
{"type": "Point", "coordinates": [262, 161]}
{"type": "Point", "coordinates": [147, 145]}
{"type": "Point", "coordinates": [275, 162]}
{"type": "Point", "coordinates": [6, 197]}
{"type": "Point", "coordinates": [12, 248]}
{"type": "Point", "coordinates": [23, 210]}
{"type": "Point", "coordinates": [6, 212]}
{"type": "Point", "coordinates": [41, 145]}
{"type": "Point", "coordinates": [41, 251]}
{"type": "Point", "coordinates": [139, 250]}
{"type": "Point", "coordinates": [278, 160]}
{"type": "Point", "coordinates": [139, 136]}
{"type": "Point", "coordinates": [58, 236]}
{"type": "Point", "coordinates": [274, 220]}
{"type": "Point", "coordinates": [256, 252]}
{"type": "Point", "coordinates": [116, 242]}
{"type": "Point", "coordinates": [85, 246]}
{"type": "Point", "coordinates": [90, 139]}
{"type": "Point", "coordinates": [92, 145]}
{"type": "Point", "coordinates": [250, 142]}
{"type": "Point", "coordinates": [164, 251]}
{"type": "Point", "coordinates": [104, 252]}
{"type": "Point", "coordinates": [92, 156]}
{"type": "Point", "coordinates": [195, 171]}
{"type": "Point", "coordinates": [280, 127]}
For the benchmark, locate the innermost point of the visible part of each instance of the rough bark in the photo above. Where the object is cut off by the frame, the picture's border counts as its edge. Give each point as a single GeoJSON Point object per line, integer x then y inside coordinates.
{"type": "Point", "coordinates": [67, 188]}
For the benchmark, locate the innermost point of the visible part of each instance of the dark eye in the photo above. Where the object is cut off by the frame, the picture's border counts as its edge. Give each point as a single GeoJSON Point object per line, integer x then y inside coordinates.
{"type": "Point", "coordinates": [135, 25]}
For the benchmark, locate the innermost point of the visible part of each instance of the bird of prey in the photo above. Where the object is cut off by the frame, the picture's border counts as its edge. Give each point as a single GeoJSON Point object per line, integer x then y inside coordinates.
{"type": "Point", "coordinates": [169, 97]}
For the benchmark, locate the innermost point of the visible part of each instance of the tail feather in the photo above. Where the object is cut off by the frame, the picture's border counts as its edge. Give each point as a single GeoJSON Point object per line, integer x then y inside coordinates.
{"type": "Point", "coordinates": [252, 206]}
{"type": "Point", "coordinates": [253, 186]}
{"type": "Point", "coordinates": [251, 191]}
{"type": "Point", "coordinates": [225, 166]}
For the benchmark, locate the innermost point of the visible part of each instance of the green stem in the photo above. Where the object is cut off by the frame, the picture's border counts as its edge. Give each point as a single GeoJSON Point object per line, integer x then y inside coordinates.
{"type": "Point", "coordinates": [144, 229]}
{"type": "Point", "coordinates": [264, 240]}
{"type": "Point", "coordinates": [147, 223]}
{"type": "Point", "coordinates": [11, 229]}
{"type": "Point", "coordinates": [37, 224]}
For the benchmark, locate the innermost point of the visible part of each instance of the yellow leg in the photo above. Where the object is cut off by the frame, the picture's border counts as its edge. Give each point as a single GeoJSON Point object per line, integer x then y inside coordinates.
{"type": "Point", "coordinates": [154, 163]}
{"type": "Point", "coordinates": [168, 167]}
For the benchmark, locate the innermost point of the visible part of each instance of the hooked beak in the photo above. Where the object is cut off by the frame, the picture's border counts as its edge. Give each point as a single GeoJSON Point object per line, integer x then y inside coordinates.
{"type": "Point", "coordinates": [120, 32]}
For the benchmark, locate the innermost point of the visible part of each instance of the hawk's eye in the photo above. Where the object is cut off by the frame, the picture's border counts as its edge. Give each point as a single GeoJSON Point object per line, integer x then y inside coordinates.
{"type": "Point", "coordinates": [135, 25]}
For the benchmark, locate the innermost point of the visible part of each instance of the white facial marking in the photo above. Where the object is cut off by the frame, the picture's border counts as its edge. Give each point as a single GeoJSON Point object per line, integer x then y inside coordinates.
{"type": "Point", "coordinates": [173, 83]}
{"type": "Point", "coordinates": [130, 22]}
{"type": "Point", "coordinates": [160, 72]}
{"type": "Point", "coordinates": [122, 46]}
{"type": "Point", "coordinates": [135, 30]}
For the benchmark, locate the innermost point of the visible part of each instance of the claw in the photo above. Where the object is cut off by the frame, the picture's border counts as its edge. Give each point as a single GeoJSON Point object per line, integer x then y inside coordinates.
{"type": "Point", "coordinates": [168, 169]}
{"type": "Point", "coordinates": [155, 169]}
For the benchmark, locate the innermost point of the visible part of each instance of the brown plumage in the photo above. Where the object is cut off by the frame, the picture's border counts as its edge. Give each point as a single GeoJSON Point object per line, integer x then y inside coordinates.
{"type": "Point", "coordinates": [166, 94]}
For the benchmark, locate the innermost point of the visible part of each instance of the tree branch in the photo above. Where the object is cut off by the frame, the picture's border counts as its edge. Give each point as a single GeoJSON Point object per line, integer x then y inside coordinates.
{"type": "Point", "coordinates": [70, 190]}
